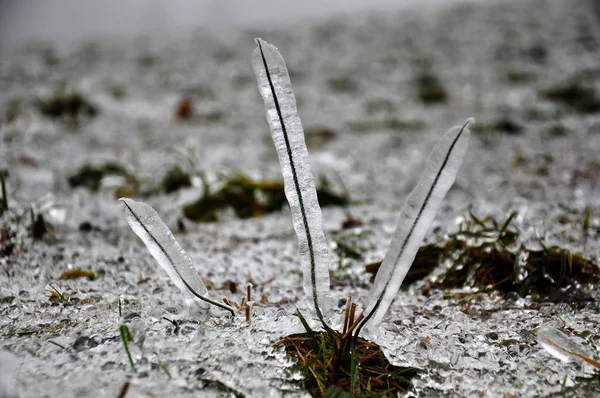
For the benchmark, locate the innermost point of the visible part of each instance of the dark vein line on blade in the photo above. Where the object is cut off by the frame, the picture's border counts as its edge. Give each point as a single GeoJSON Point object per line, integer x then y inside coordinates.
{"type": "Point", "coordinates": [162, 249]}
{"type": "Point", "coordinates": [412, 228]}
{"type": "Point", "coordinates": [296, 184]}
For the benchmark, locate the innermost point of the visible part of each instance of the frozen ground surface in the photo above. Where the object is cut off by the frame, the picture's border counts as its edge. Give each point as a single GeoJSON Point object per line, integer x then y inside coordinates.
{"type": "Point", "coordinates": [347, 74]}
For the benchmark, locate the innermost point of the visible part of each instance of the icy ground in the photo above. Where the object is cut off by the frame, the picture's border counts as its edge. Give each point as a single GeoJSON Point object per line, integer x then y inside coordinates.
{"type": "Point", "coordinates": [350, 75]}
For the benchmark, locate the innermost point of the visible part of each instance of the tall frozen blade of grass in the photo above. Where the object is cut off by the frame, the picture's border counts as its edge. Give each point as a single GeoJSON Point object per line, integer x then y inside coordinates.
{"type": "Point", "coordinates": [415, 219]}
{"type": "Point", "coordinates": [287, 133]}
{"type": "Point", "coordinates": [161, 243]}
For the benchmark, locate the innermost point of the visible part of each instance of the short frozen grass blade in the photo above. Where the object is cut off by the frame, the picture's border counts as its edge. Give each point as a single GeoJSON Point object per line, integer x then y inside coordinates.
{"type": "Point", "coordinates": [415, 219]}
{"type": "Point", "coordinates": [560, 346]}
{"type": "Point", "coordinates": [159, 241]}
{"type": "Point", "coordinates": [287, 133]}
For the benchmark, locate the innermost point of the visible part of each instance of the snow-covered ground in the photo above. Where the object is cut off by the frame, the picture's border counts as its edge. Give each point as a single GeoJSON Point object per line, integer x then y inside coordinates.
{"type": "Point", "coordinates": [355, 76]}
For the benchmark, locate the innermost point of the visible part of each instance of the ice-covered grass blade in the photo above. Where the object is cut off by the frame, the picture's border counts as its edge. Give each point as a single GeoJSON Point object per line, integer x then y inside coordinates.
{"type": "Point", "coordinates": [560, 346]}
{"type": "Point", "coordinates": [287, 133]}
{"type": "Point", "coordinates": [161, 243]}
{"type": "Point", "coordinates": [415, 219]}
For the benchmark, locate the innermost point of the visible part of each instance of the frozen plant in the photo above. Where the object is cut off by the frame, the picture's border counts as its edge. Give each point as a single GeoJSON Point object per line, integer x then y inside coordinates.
{"type": "Point", "coordinates": [416, 216]}
{"type": "Point", "coordinates": [287, 133]}
{"type": "Point", "coordinates": [339, 355]}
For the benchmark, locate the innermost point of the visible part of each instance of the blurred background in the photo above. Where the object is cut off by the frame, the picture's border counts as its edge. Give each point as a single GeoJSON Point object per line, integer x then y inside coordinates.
{"type": "Point", "coordinates": [73, 19]}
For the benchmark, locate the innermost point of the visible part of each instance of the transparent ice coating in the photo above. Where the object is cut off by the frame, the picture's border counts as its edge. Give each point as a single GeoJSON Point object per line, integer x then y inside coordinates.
{"type": "Point", "coordinates": [161, 243]}
{"type": "Point", "coordinates": [416, 218]}
{"type": "Point", "coordinates": [560, 346]}
{"type": "Point", "coordinates": [287, 133]}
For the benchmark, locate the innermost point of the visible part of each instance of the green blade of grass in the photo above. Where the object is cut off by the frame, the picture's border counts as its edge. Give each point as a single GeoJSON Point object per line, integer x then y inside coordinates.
{"type": "Point", "coordinates": [506, 224]}
{"type": "Point", "coordinates": [309, 331]}
{"type": "Point", "coordinates": [126, 338]}
{"type": "Point", "coordinates": [335, 392]}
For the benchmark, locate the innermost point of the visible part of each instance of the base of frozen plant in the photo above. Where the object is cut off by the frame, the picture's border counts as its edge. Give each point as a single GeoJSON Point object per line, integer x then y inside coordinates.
{"type": "Point", "coordinates": [323, 367]}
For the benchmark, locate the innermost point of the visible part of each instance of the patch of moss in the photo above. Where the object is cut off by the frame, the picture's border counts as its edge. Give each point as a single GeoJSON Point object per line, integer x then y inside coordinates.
{"type": "Point", "coordinates": [430, 89]}
{"type": "Point", "coordinates": [428, 258]}
{"type": "Point", "coordinates": [241, 81]}
{"type": "Point", "coordinates": [223, 54]}
{"type": "Point", "coordinates": [487, 255]}
{"type": "Point", "coordinates": [318, 137]}
{"type": "Point", "coordinates": [117, 91]}
{"type": "Point", "coordinates": [536, 114]}
{"type": "Point", "coordinates": [574, 94]}
{"type": "Point", "coordinates": [146, 60]}
{"type": "Point", "coordinates": [175, 179]}
{"type": "Point", "coordinates": [557, 130]}
{"type": "Point", "coordinates": [537, 52]}
{"type": "Point", "coordinates": [67, 106]}
{"type": "Point", "coordinates": [365, 126]}
{"type": "Point", "coordinates": [505, 125]}
{"type": "Point", "coordinates": [329, 197]}
{"type": "Point", "coordinates": [519, 76]}
{"type": "Point", "coordinates": [250, 198]}
{"type": "Point", "coordinates": [379, 105]}
{"type": "Point", "coordinates": [351, 244]}
{"type": "Point", "coordinates": [90, 177]}
{"type": "Point", "coordinates": [342, 84]}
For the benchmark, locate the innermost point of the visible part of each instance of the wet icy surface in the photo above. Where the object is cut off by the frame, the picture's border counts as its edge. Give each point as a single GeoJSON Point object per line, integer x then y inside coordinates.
{"type": "Point", "coordinates": [490, 348]}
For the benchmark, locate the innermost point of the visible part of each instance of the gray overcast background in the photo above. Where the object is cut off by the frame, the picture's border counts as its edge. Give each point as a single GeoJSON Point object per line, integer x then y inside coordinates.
{"type": "Point", "coordinates": [22, 20]}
